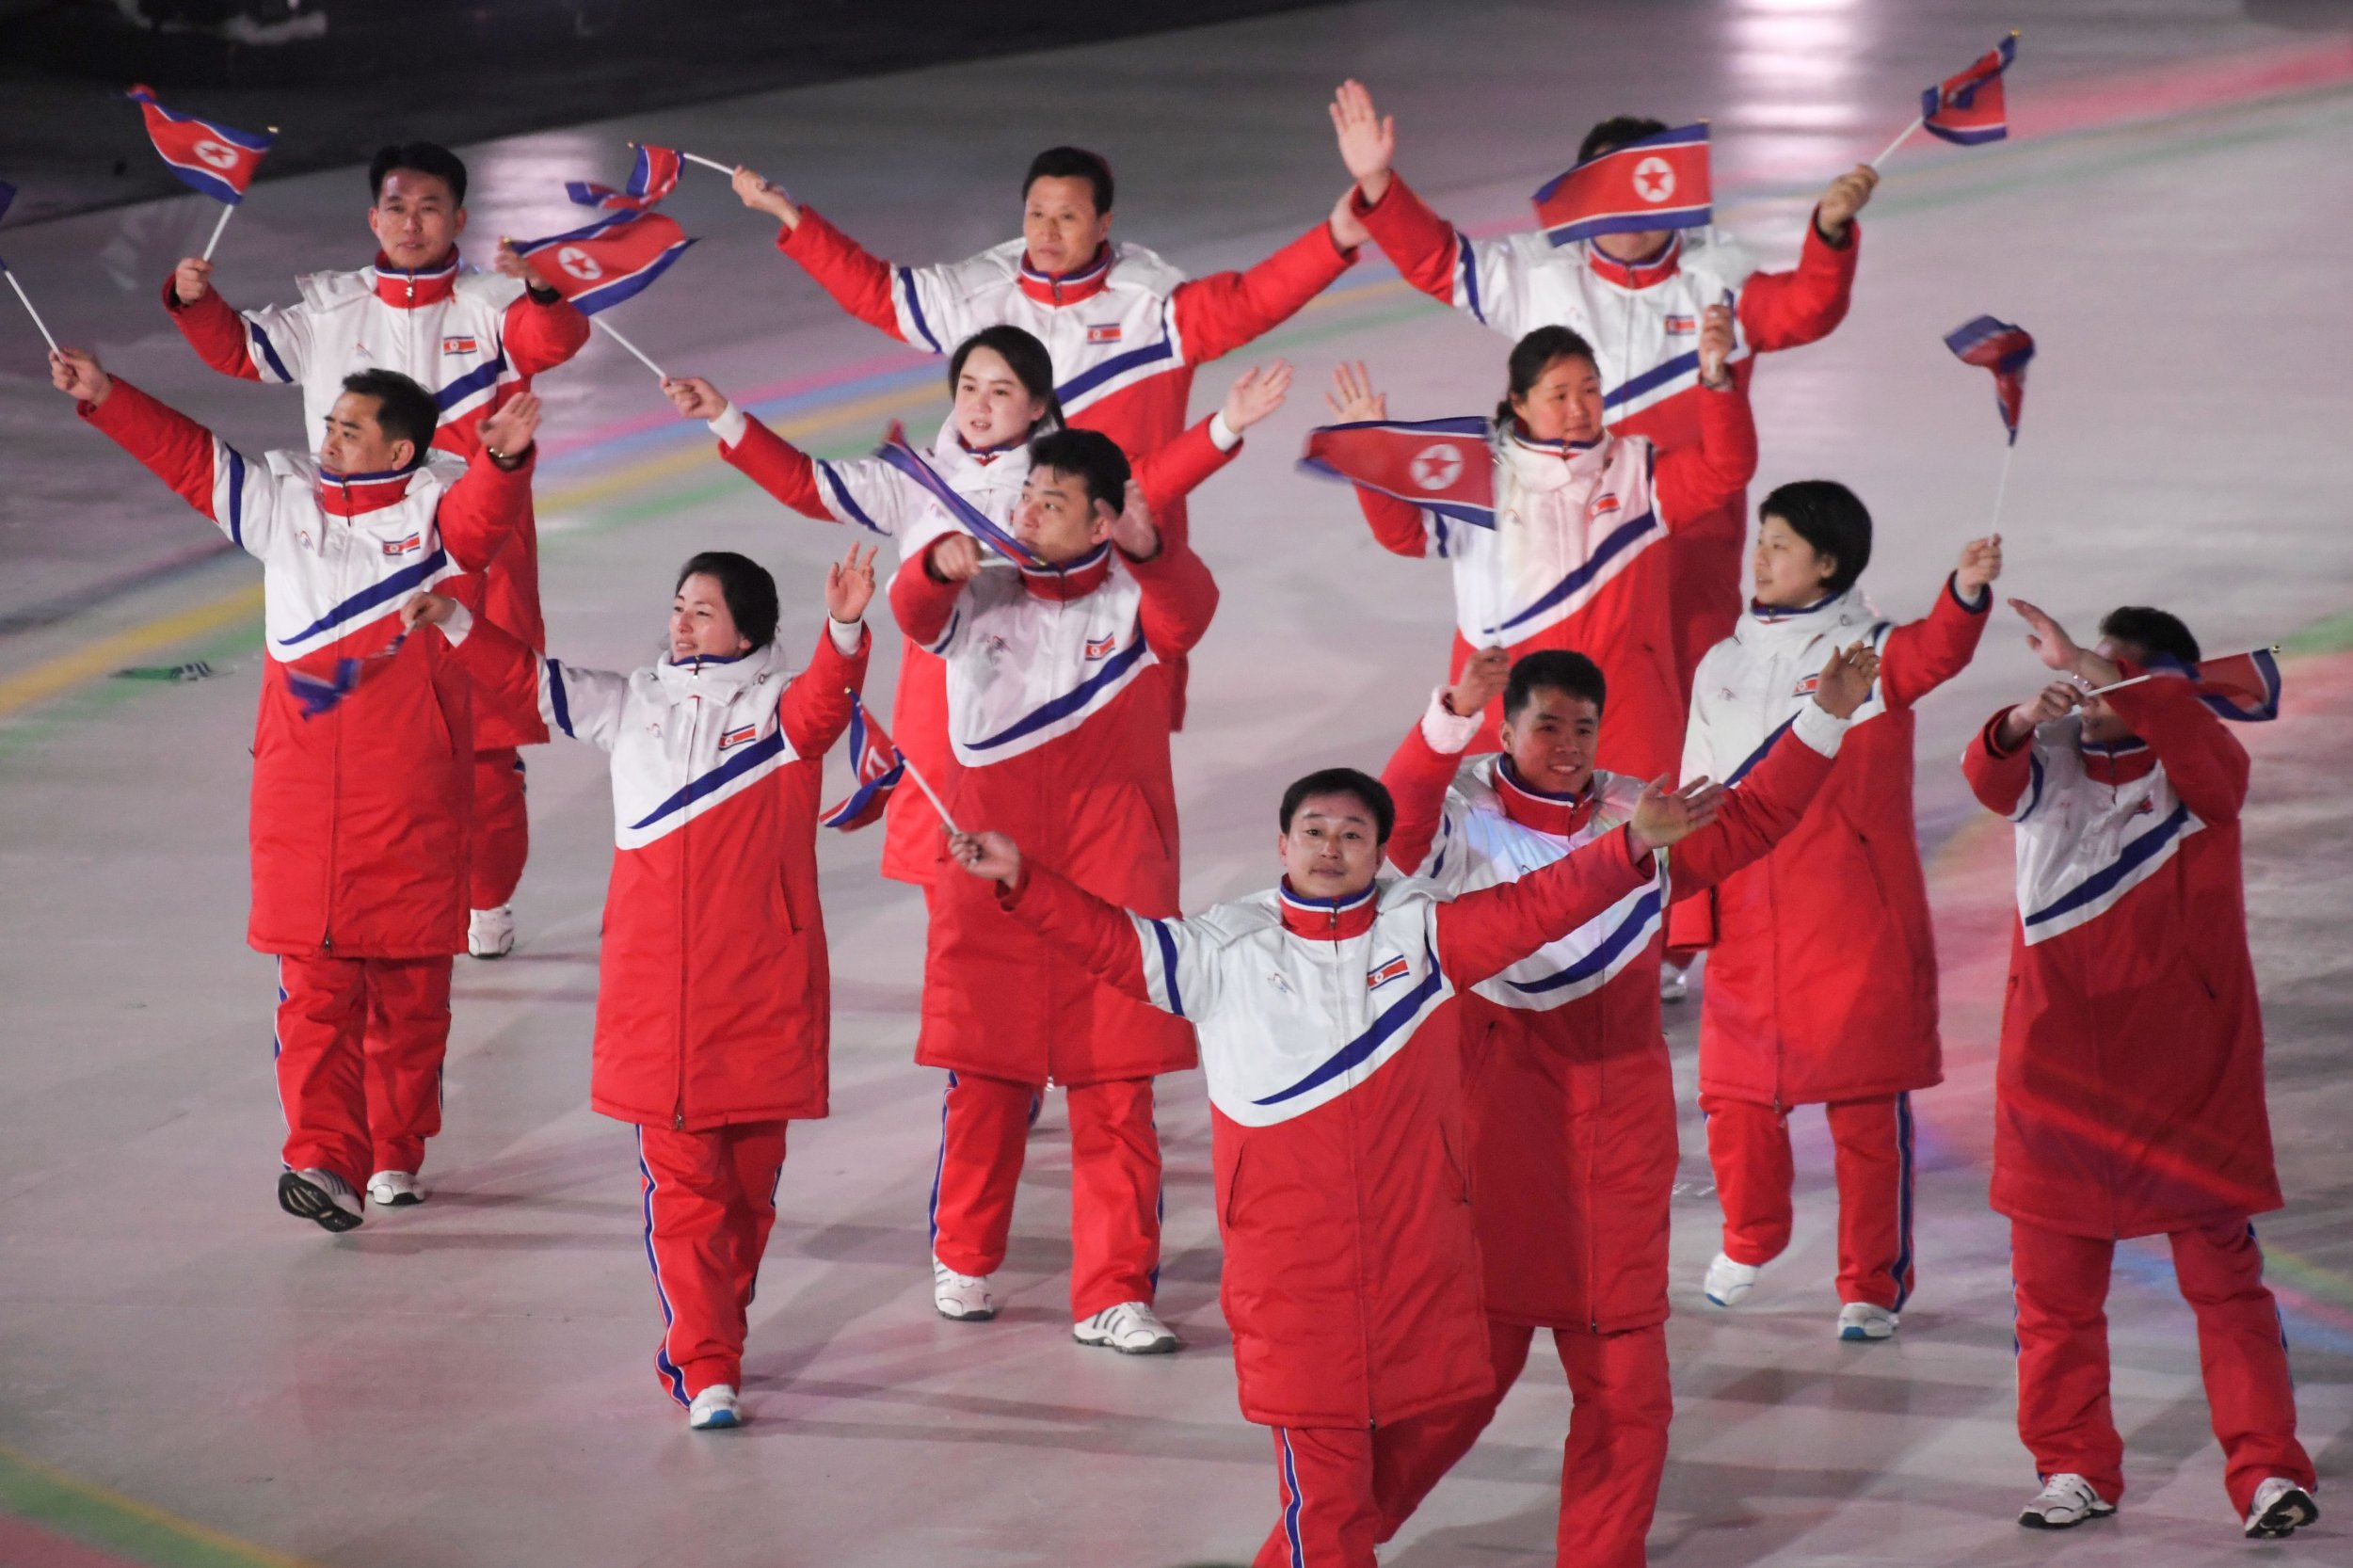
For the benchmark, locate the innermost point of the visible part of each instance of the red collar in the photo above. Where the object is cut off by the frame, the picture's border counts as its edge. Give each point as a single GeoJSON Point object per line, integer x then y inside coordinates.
{"type": "Point", "coordinates": [1070, 287]}
{"type": "Point", "coordinates": [406, 291]}
{"type": "Point", "coordinates": [1559, 815]}
{"type": "Point", "coordinates": [1655, 268]}
{"type": "Point", "coordinates": [1072, 579]}
{"type": "Point", "coordinates": [347, 495]}
{"type": "Point", "coordinates": [1325, 920]}
{"type": "Point", "coordinates": [2116, 762]}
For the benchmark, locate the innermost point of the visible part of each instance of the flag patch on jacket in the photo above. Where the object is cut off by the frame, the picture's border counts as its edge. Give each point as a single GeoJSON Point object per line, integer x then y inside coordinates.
{"type": "Point", "coordinates": [1683, 324]}
{"type": "Point", "coordinates": [1386, 970]}
{"type": "Point", "coordinates": [1106, 332]}
{"type": "Point", "coordinates": [737, 737]}
{"type": "Point", "coordinates": [461, 345]}
{"type": "Point", "coordinates": [402, 547]}
{"type": "Point", "coordinates": [1101, 647]}
{"type": "Point", "coordinates": [1807, 687]}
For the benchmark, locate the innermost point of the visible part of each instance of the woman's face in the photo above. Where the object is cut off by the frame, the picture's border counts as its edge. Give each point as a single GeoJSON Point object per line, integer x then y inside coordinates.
{"type": "Point", "coordinates": [700, 624]}
{"type": "Point", "coordinates": [1565, 405]}
{"type": "Point", "coordinates": [1785, 572]}
{"type": "Point", "coordinates": [993, 408]}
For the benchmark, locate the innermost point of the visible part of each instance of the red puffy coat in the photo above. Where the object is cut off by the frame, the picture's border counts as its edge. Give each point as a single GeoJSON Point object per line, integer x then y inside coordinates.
{"type": "Point", "coordinates": [364, 748]}
{"type": "Point", "coordinates": [1821, 980]}
{"type": "Point", "coordinates": [2129, 1097]}
{"type": "Point", "coordinates": [713, 998]}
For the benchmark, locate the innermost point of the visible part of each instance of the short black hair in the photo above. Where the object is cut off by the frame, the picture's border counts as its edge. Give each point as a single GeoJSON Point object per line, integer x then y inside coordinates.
{"type": "Point", "coordinates": [1032, 365]}
{"type": "Point", "coordinates": [744, 583]}
{"type": "Point", "coordinates": [1830, 518]}
{"type": "Point", "coordinates": [425, 157]}
{"type": "Point", "coordinates": [405, 410]}
{"type": "Point", "coordinates": [1072, 163]}
{"type": "Point", "coordinates": [2150, 631]}
{"type": "Point", "coordinates": [1342, 781]}
{"type": "Point", "coordinates": [1616, 132]}
{"type": "Point", "coordinates": [1533, 355]}
{"type": "Point", "coordinates": [1091, 454]}
{"type": "Point", "coordinates": [1553, 669]}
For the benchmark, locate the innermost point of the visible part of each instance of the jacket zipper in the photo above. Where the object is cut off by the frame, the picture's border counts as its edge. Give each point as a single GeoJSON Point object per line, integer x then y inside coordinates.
{"type": "Point", "coordinates": [335, 745]}
{"type": "Point", "coordinates": [685, 851]}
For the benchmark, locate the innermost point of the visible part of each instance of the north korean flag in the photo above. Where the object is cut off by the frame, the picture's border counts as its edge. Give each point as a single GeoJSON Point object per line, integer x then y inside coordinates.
{"type": "Point", "coordinates": [218, 160]}
{"type": "Point", "coordinates": [1657, 183]}
{"type": "Point", "coordinates": [2003, 350]}
{"type": "Point", "coordinates": [614, 258]}
{"type": "Point", "coordinates": [1968, 108]}
{"type": "Point", "coordinates": [2241, 686]}
{"type": "Point", "coordinates": [655, 177]}
{"type": "Point", "coordinates": [899, 455]}
{"type": "Point", "coordinates": [1442, 465]}
{"type": "Point", "coordinates": [878, 766]}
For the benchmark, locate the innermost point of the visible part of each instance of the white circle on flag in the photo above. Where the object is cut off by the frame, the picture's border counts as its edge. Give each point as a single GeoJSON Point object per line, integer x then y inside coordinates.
{"type": "Point", "coordinates": [216, 154]}
{"type": "Point", "coordinates": [581, 265]}
{"type": "Point", "coordinates": [1436, 467]}
{"type": "Point", "coordinates": [1654, 180]}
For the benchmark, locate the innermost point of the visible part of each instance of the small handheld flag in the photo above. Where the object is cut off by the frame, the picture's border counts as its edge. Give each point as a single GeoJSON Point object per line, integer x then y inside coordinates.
{"type": "Point", "coordinates": [608, 261]}
{"type": "Point", "coordinates": [899, 455]}
{"type": "Point", "coordinates": [2240, 686]}
{"type": "Point", "coordinates": [2004, 349]}
{"type": "Point", "coordinates": [7, 193]}
{"type": "Point", "coordinates": [218, 160]}
{"type": "Point", "coordinates": [1442, 465]}
{"type": "Point", "coordinates": [654, 177]}
{"type": "Point", "coordinates": [322, 694]}
{"type": "Point", "coordinates": [877, 768]}
{"type": "Point", "coordinates": [1968, 108]}
{"type": "Point", "coordinates": [710, 163]}
{"type": "Point", "coordinates": [1659, 182]}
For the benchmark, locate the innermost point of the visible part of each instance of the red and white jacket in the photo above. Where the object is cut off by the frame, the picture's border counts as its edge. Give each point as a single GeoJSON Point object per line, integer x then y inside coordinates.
{"type": "Point", "coordinates": [1573, 561]}
{"type": "Point", "coordinates": [1057, 733]}
{"type": "Point", "coordinates": [363, 748]}
{"type": "Point", "coordinates": [2129, 1097]}
{"type": "Point", "coordinates": [471, 339]}
{"type": "Point", "coordinates": [1351, 1277]}
{"type": "Point", "coordinates": [1821, 981]}
{"type": "Point", "coordinates": [1569, 1094]}
{"type": "Point", "coordinates": [713, 995]}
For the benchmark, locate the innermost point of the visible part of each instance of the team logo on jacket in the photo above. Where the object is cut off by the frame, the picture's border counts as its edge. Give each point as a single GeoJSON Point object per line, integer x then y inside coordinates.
{"type": "Point", "coordinates": [1101, 647]}
{"type": "Point", "coordinates": [460, 346]}
{"type": "Point", "coordinates": [1105, 332]}
{"type": "Point", "coordinates": [402, 547]}
{"type": "Point", "coordinates": [1605, 502]}
{"type": "Point", "coordinates": [1683, 324]}
{"type": "Point", "coordinates": [737, 737]}
{"type": "Point", "coordinates": [1386, 970]}
{"type": "Point", "coordinates": [1807, 687]}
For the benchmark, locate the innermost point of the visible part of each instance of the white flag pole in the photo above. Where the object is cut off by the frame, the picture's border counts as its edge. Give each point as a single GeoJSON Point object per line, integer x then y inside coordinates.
{"type": "Point", "coordinates": [2001, 487]}
{"type": "Point", "coordinates": [598, 322]}
{"type": "Point", "coordinates": [29, 311]}
{"type": "Point", "coordinates": [1917, 121]}
{"type": "Point", "coordinates": [921, 782]}
{"type": "Point", "coordinates": [225, 210]}
{"type": "Point", "coordinates": [728, 169]}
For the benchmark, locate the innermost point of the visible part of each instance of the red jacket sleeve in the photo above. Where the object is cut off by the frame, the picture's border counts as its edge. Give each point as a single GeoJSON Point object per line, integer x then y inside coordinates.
{"type": "Point", "coordinates": [919, 602]}
{"type": "Point", "coordinates": [1397, 524]}
{"type": "Point", "coordinates": [859, 281]}
{"type": "Point", "coordinates": [815, 708]}
{"type": "Point", "coordinates": [1998, 778]}
{"type": "Point", "coordinates": [1482, 934]}
{"type": "Point", "coordinates": [779, 467]}
{"type": "Point", "coordinates": [1785, 310]}
{"type": "Point", "coordinates": [1219, 314]}
{"type": "Point", "coordinates": [502, 667]}
{"type": "Point", "coordinates": [1922, 655]}
{"type": "Point", "coordinates": [1098, 936]}
{"type": "Point", "coordinates": [1418, 241]}
{"type": "Point", "coordinates": [2202, 760]}
{"type": "Point", "coordinates": [1695, 480]}
{"type": "Point", "coordinates": [1171, 472]}
{"type": "Point", "coordinates": [1757, 813]}
{"type": "Point", "coordinates": [483, 509]}
{"type": "Point", "coordinates": [1180, 597]}
{"type": "Point", "coordinates": [1417, 777]}
{"type": "Point", "coordinates": [540, 336]}
{"type": "Point", "coordinates": [174, 447]}
{"type": "Point", "coordinates": [215, 329]}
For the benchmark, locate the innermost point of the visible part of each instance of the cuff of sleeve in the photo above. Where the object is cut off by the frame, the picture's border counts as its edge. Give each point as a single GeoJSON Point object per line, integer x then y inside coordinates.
{"type": "Point", "coordinates": [730, 427]}
{"type": "Point", "coordinates": [848, 636]}
{"type": "Point", "coordinates": [1978, 606]}
{"type": "Point", "coordinates": [1820, 728]}
{"type": "Point", "coordinates": [1447, 731]}
{"type": "Point", "coordinates": [1008, 898]}
{"type": "Point", "coordinates": [460, 626]}
{"type": "Point", "coordinates": [1222, 435]}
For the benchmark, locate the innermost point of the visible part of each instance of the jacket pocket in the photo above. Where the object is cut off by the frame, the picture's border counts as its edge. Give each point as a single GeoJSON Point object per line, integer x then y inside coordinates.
{"type": "Point", "coordinates": [1233, 1187]}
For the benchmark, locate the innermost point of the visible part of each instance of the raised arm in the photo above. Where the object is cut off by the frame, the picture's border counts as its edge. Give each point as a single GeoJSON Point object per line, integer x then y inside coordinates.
{"type": "Point", "coordinates": [1422, 769]}
{"type": "Point", "coordinates": [205, 471]}
{"type": "Point", "coordinates": [540, 331]}
{"type": "Point", "coordinates": [924, 600]}
{"type": "Point", "coordinates": [2202, 760]}
{"type": "Point", "coordinates": [507, 672]}
{"type": "Point", "coordinates": [1216, 314]}
{"type": "Point", "coordinates": [1486, 280]}
{"type": "Point", "coordinates": [1482, 934]}
{"type": "Point", "coordinates": [1179, 597]}
{"type": "Point", "coordinates": [1785, 310]}
{"type": "Point", "coordinates": [479, 513]}
{"type": "Point", "coordinates": [1769, 801]}
{"type": "Point", "coordinates": [270, 344]}
{"type": "Point", "coordinates": [921, 307]}
{"type": "Point", "coordinates": [1922, 655]}
{"type": "Point", "coordinates": [1164, 964]}
{"type": "Point", "coordinates": [1695, 480]}
{"type": "Point", "coordinates": [815, 707]}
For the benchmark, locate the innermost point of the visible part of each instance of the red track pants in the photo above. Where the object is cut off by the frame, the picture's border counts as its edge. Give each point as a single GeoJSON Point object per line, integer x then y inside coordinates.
{"type": "Point", "coordinates": [1114, 1184]}
{"type": "Point", "coordinates": [2060, 1284]}
{"type": "Point", "coordinates": [359, 1049]}
{"type": "Point", "coordinates": [1345, 1489]}
{"type": "Point", "coordinates": [709, 1200]}
{"type": "Point", "coordinates": [1749, 1146]}
{"type": "Point", "coordinates": [502, 828]}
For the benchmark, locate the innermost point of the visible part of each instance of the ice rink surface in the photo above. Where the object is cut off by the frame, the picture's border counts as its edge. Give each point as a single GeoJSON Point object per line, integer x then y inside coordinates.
{"type": "Point", "coordinates": [189, 1376]}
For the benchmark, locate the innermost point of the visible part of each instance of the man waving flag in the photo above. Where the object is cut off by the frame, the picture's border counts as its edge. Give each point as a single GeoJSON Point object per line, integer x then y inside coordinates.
{"type": "Point", "coordinates": [1657, 181]}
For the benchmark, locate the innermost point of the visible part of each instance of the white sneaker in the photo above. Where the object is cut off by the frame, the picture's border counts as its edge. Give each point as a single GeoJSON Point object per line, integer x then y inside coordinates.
{"type": "Point", "coordinates": [1865, 1321]}
{"type": "Point", "coordinates": [1728, 1282]}
{"type": "Point", "coordinates": [1671, 985]}
{"type": "Point", "coordinates": [963, 1297]}
{"type": "Point", "coordinates": [395, 1190]}
{"type": "Point", "coordinates": [2280, 1506]}
{"type": "Point", "coordinates": [2065, 1501]}
{"type": "Point", "coordinates": [320, 1195]}
{"type": "Point", "coordinates": [1131, 1328]}
{"type": "Point", "coordinates": [491, 932]}
{"type": "Point", "coordinates": [715, 1410]}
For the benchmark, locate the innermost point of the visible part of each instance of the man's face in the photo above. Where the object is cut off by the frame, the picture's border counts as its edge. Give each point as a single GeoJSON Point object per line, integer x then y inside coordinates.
{"type": "Point", "coordinates": [1060, 225]}
{"type": "Point", "coordinates": [1786, 573]}
{"type": "Point", "coordinates": [355, 443]}
{"type": "Point", "coordinates": [1565, 405]}
{"type": "Point", "coordinates": [1333, 847]}
{"type": "Point", "coordinates": [1055, 518]}
{"type": "Point", "coordinates": [993, 408]}
{"type": "Point", "coordinates": [1551, 742]}
{"type": "Point", "coordinates": [702, 624]}
{"type": "Point", "coordinates": [416, 220]}
{"type": "Point", "coordinates": [2100, 724]}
